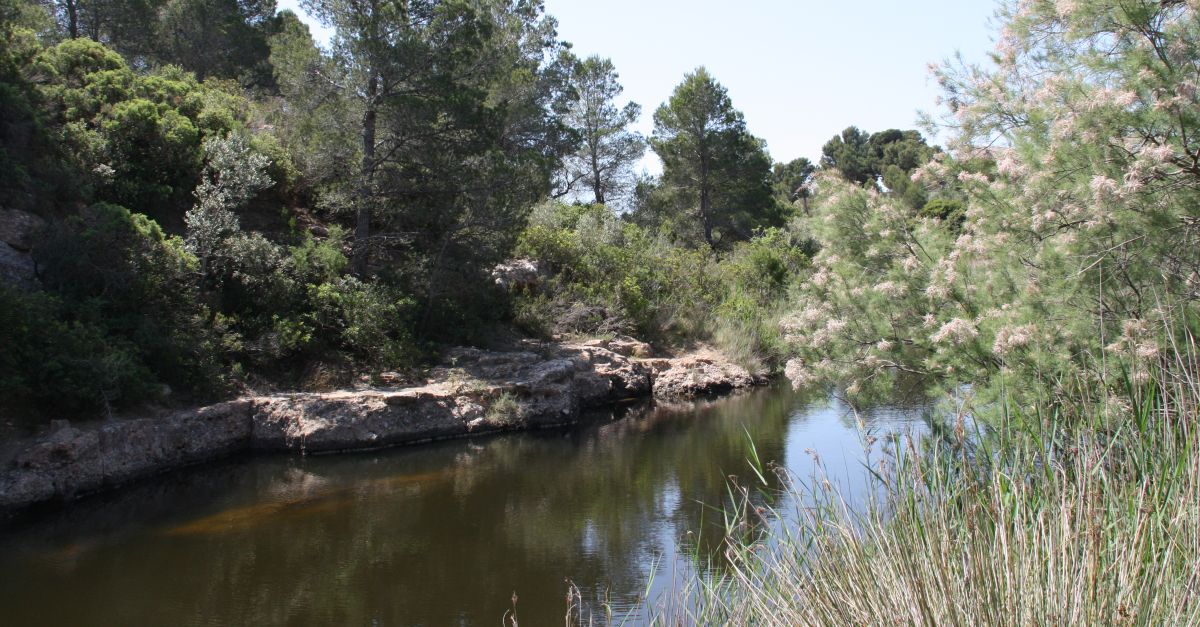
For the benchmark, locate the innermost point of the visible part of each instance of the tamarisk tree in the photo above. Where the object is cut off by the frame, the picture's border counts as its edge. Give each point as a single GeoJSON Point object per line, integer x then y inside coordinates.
{"type": "Point", "coordinates": [1075, 155]}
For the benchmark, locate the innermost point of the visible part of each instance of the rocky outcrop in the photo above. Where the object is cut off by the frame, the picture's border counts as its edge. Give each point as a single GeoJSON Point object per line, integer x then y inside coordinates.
{"type": "Point", "coordinates": [18, 228]}
{"type": "Point", "coordinates": [621, 345]}
{"type": "Point", "coordinates": [517, 274]}
{"type": "Point", "coordinates": [700, 375]}
{"type": "Point", "coordinates": [478, 392]}
{"type": "Point", "coordinates": [16, 267]}
{"type": "Point", "coordinates": [72, 461]}
{"type": "Point", "coordinates": [17, 231]}
{"type": "Point", "coordinates": [475, 391]}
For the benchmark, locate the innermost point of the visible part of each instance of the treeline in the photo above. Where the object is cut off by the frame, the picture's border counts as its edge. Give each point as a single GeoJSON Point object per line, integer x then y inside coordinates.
{"type": "Point", "coordinates": [226, 203]}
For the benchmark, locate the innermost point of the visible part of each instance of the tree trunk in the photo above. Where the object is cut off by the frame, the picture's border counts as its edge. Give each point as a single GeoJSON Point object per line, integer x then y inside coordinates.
{"type": "Point", "coordinates": [597, 185]}
{"type": "Point", "coordinates": [72, 19]}
{"type": "Point", "coordinates": [362, 228]}
{"type": "Point", "coordinates": [705, 200]}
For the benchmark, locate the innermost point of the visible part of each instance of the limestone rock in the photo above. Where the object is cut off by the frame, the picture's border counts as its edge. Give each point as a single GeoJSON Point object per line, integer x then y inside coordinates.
{"type": "Point", "coordinates": [18, 228]}
{"type": "Point", "coordinates": [517, 274]}
{"type": "Point", "coordinates": [622, 345]}
{"type": "Point", "coordinates": [71, 460]}
{"type": "Point", "coordinates": [692, 376]}
{"type": "Point", "coordinates": [17, 267]}
{"type": "Point", "coordinates": [540, 385]}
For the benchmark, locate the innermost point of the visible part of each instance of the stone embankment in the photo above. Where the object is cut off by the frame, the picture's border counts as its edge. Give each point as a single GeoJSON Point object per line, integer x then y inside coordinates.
{"type": "Point", "coordinates": [475, 391]}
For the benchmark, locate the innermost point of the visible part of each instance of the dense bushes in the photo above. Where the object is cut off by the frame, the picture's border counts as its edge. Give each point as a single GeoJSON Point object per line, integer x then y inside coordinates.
{"type": "Point", "coordinates": [115, 158]}
{"type": "Point", "coordinates": [116, 321]}
{"type": "Point", "coordinates": [608, 276]}
{"type": "Point", "coordinates": [134, 139]}
{"type": "Point", "coordinates": [126, 310]}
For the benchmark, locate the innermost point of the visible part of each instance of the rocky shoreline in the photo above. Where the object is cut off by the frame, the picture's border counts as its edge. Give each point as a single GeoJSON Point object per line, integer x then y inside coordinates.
{"type": "Point", "coordinates": [537, 385]}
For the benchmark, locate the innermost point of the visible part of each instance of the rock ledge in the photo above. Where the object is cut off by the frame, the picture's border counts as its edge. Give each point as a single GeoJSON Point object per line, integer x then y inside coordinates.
{"type": "Point", "coordinates": [475, 391]}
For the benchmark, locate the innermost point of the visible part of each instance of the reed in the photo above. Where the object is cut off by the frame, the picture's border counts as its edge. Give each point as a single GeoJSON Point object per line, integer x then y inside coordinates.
{"type": "Point", "coordinates": [1086, 514]}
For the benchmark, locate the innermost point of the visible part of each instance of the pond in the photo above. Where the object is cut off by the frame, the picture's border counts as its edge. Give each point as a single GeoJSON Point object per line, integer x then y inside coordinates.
{"type": "Point", "coordinates": [438, 534]}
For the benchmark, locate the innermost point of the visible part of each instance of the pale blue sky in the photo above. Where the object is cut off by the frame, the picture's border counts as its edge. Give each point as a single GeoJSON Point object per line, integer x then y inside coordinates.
{"type": "Point", "coordinates": [801, 71]}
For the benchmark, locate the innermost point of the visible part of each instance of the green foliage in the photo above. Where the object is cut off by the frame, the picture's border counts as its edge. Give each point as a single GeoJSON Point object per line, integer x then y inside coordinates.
{"type": "Point", "coordinates": [29, 156]}
{"type": "Point", "coordinates": [1053, 253]}
{"type": "Point", "coordinates": [436, 125]}
{"type": "Point", "coordinates": [609, 276]}
{"type": "Point", "coordinates": [222, 38]}
{"type": "Point", "coordinates": [281, 167]}
{"type": "Point", "coordinates": [18, 16]}
{"type": "Point", "coordinates": [134, 139]}
{"type": "Point", "coordinates": [51, 361]}
{"type": "Point", "coordinates": [504, 411]}
{"type": "Point", "coordinates": [321, 261]}
{"type": "Point", "coordinates": [767, 265]}
{"type": "Point", "coordinates": [946, 210]}
{"type": "Point", "coordinates": [790, 181]}
{"type": "Point", "coordinates": [608, 150]}
{"type": "Point", "coordinates": [370, 319]}
{"type": "Point", "coordinates": [850, 154]}
{"type": "Point", "coordinates": [715, 172]}
{"type": "Point", "coordinates": [119, 283]}
{"type": "Point", "coordinates": [150, 152]}
{"type": "Point", "coordinates": [210, 38]}
{"type": "Point", "coordinates": [885, 158]}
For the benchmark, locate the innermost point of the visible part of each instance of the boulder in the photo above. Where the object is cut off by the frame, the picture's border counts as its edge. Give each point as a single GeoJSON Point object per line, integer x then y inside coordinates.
{"type": "Point", "coordinates": [623, 345]}
{"type": "Point", "coordinates": [18, 229]}
{"type": "Point", "coordinates": [609, 376]}
{"type": "Point", "coordinates": [517, 274]}
{"type": "Point", "coordinates": [693, 376]}
{"type": "Point", "coordinates": [17, 267]}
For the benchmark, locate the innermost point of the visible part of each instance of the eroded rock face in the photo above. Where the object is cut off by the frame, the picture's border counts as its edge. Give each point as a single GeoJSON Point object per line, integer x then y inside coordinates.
{"type": "Point", "coordinates": [18, 228]}
{"type": "Point", "coordinates": [543, 386]}
{"type": "Point", "coordinates": [17, 268]}
{"type": "Point", "coordinates": [622, 345]}
{"type": "Point", "coordinates": [71, 460]}
{"type": "Point", "coordinates": [692, 376]}
{"type": "Point", "coordinates": [343, 421]}
{"type": "Point", "coordinates": [475, 391]}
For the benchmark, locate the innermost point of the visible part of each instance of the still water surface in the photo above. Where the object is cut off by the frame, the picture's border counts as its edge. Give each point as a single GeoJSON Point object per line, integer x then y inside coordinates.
{"type": "Point", "coordinates": [441, 534]}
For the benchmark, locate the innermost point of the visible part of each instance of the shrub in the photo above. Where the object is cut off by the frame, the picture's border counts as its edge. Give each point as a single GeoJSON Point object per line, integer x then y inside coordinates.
{"type": "Point", "coordinates": [504, 411]}
{"type": "Point", "coordinates": [609, 276]}
{"type": "Point", "coordinates": [371, 320]}
{"type": "Point", "coordinates": [51, 361]}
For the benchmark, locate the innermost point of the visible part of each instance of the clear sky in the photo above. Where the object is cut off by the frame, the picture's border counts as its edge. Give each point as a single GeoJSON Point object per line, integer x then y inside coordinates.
{"type": "Point", "coordinates": [800, 70]}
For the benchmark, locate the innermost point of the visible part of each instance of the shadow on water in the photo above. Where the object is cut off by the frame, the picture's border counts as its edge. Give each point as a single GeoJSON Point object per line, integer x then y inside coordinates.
{"type": "Point", "coordinates": [432, 535]}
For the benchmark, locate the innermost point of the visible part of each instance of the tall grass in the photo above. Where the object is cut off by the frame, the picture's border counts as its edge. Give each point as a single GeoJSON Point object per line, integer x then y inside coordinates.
{"type": "Point", "coordinates": [1085, 515]}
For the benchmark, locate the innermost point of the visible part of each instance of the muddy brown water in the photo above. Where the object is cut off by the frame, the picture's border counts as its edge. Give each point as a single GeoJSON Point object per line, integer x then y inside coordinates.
{"type": "Point", "coordinates": [439, 534]}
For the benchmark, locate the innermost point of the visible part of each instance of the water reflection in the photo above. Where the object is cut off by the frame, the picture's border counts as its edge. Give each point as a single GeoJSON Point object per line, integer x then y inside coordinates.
{"type": "Point", "coordinates": [434, 535]}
